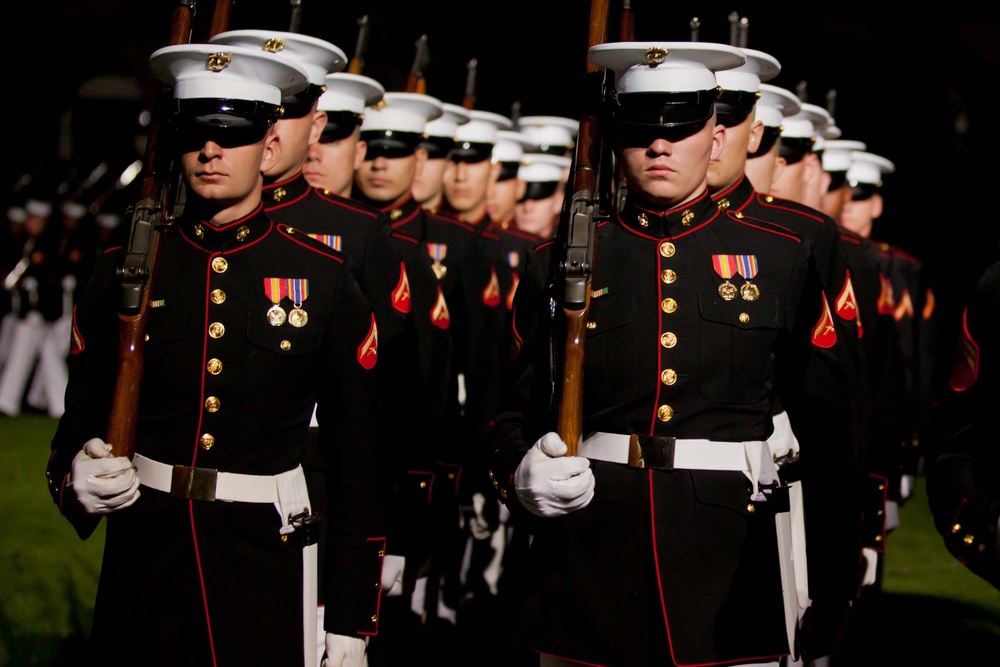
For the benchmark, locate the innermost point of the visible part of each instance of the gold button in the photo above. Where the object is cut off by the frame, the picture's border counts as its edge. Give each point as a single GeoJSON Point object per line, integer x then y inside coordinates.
{"type": "Point", "coordinates": [284, 538]}
{"type": "Point", "coordinates": [217, 296]}
{"type": "Point", "coordinates": [643, 220]}
{"type": "Point", "coordinates": [381, 553]}
{"type": "Point", "coordinates": [374, 618]}
{"type": "Point", "coordinates": [423, 484]}
{"type": "Point", "coordinates": [279, 194]}
{"type": "Point", "coordinates": [216, 329]}
{"type": "Point", "coordinates": [880, 512]}
{"type": "Point", "coordinates": [212, 404]}
{"type": "Point", "coordinates": [744, 318]}
{"type": "Point", "coordinates": [751, 508]}
{"type": "Point", "coordinates": [769, 198]}
{"type": "Point", "coordinates": [686, 217]}
{"type": "Point", "coordinates": [451, 475]}
{"type": "Point", "coordinates": [723, 204]}
{"type": "Point", "coordinates": [214, 366]}
{"type": "Point", "coordinates": [396, 214]}
{"type": "Point", "coordinates": [664, 413]}
{"type": "Point", "coordinates": [219, 265]}
{"type": "Point", "coordinates": [969, 539]}
{"type": "Point", "coordinates": [738, 215]}
{"type": "Point", "coordinates": [668, 339]}
{"type": "Point", "coordinates": [956, 527]}
{"type": "Point", "coordinates": [199, 231]}
{"type": "Point", "coordinates": [242, 233]}
{"type": "Point", "coordinates": [878, 538]}
{"type": "Point", "coordinates": [668, 305]}
{"type": "Point", "coordinates": [146, 337]}
{"type": "Point", "coordinates": [668, 276]}
{"type": "Point", "coordinates": [668, 376]}
{"type": "Point", "coordinates": [207, 440]}
{"type": "Point", "coordinates": [285, 345]}
{"type": "Point", "coordinates": [503, 493]}
{"type": "Point", "coordinates": [591, 325]}
{"type": "Point", "coordinates": [667, 249]}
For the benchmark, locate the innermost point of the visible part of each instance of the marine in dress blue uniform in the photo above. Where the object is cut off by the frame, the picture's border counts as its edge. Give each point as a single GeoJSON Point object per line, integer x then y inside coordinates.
{"type": "Point", "coordinates": [250, 325]}
{"type": "Point", "coordinates": [698, 317]}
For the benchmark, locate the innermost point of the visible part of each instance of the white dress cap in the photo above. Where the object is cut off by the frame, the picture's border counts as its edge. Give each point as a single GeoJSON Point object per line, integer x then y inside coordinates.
{"type": "Point", "coordinates": [215, 71]}
{"type": "Point", "coordinates": [747, 77]}
{"type": "Point", "coordinates": [317, 56]}
{"type": "Point", "coordinates": [349, 92]}
{"type": "Point", "coordinates": [73, 209]}
{"type": "Point", "coordinates": [482, 127]}
{"type": "Point", "coordinates": [665, 67]}
{"type": "Point", "coordinates": [402, 112]}
{"type": "Point", "coordinates": [550, 130]}
{"type": "Point", "coordinates": [17, 214]}
{"type": "Point", "coordinates": [837, 154]}
{"type": "Point", "coordinates": [38, 208]}
{"type": "Point", "coordinates": [511, 146]}
{"type": "Point", "coordinates": [543, 168]}
{"type": "Point", "coordinates": [811, 121]}
{"type": "Point", "coordinates": [776, 104]}
{"type": "Point", "coordinates": [868, 168]}
{"type": "Point", "coordinates": [453, 115]}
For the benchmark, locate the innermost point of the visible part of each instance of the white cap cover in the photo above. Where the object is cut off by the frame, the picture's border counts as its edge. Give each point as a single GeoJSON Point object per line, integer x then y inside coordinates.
{"type": "Point", "coordinates": [868, 168]}
{"type": "Point", "coordinates": [317, 57]}
{"type": "Point", "coordinates": [402, 112]}
{"type": "Point", "coordinates": [349, 92]}
{"type": "Point", "coordinates": [453, 115]}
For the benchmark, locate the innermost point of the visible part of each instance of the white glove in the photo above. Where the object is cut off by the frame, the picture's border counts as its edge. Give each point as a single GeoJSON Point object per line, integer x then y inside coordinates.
{"type": "Point", "coordinates": [392, 574]}
{"type": "Point", "coordinates": [478, 525]}
{"type": "Point", "coordinates": [871, 566]}
{"type": "Point", "coordinates": [550, 484]}
{"type": "Point", "coordinates": [344, 651]}
{"type": "Point", "coordinates": [906, 487]}
{"type": "Point", "coordinates": [103, 483]}
{"type": "Point", "coordinates": [891, 515]}
{"type": "Point", "coordinates": [783, 441]}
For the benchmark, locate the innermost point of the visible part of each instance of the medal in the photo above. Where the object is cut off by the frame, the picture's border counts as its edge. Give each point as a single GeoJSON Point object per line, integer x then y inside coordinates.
{"type": "Point", "coordinates": [438, 251]}
{"type": "Point", "coordinates": [276, 315]}
{"type": "Point", "coordinates": [298, 290]}
{"type": "Point", "coordinates": [725, 267]}
{"type": "Point", "coordinates": [748, 269]}
{"type": "Point", "coordinates": [276, 289]}
{"type": "Point", "coordinates": [297, 317]}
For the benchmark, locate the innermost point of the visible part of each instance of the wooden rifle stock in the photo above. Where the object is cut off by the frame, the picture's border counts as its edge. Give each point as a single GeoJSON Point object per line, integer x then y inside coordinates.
{"type": "Point", "coordinates": [415, 81]}
{"type": "Point", "coordinates": [139, 269]}
{"type": "Point", "coordinates": [626, 23]}
{"type": "Point", "coordinates": [578, 229]}
{"type": "Point", "coordinates": [469, 101]}
{"type": "Point", "coordinates": [357, 62]}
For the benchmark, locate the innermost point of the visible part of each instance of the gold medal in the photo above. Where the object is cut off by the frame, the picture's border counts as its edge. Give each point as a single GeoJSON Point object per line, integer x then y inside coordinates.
{"type": "Point", "coordinates": [727, 291]}
{"type": "Point", "coordinates": [297, 317]}
{"type": "Point", "coordinates": [439, 269]}
{"type": "Point", "coordinates": [749, 291]}
{"type": "Point", "coordinates": [276, 316]}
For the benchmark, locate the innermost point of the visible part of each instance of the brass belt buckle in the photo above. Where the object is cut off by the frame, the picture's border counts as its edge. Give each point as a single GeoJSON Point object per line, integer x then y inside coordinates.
{"type": "Point", "coordinates": [193, 483]}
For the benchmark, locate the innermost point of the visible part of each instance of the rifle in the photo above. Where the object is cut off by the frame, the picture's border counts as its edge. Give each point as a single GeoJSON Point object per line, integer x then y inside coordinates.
{"type": "Point", "coordinates": [150, 216]}
{"type": "Point", "coordinates": [415, 82]}
{"type": "Point", "coordinates": [577, 227]}
{"type": "Point", "coordinates": [469, 101]}
{"type": "Point", "coordinates": [357, 61]}
{"type": "Point", "coordinates": [295, 22]}
{"type": "Point", "coordinates": [626, 23]}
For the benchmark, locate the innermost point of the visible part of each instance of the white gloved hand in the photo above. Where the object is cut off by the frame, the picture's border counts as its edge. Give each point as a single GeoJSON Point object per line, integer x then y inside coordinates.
{"type": "Point", "coordinates": [550, 484]}
{"type": "Point", "coordinates": [392, 574]}
{"type": "Point", "coordinates": [871, 566]}
{"type": "Point", "coordinates": [344, 651]}
{"type": "Point", "coordinates": [891, 515]}
{"type": "Point", "coordinates": [478, 525]}
{"type": "Point", "coordinates": [101, 482]}
{"type": "Point", "coordinates": [906, 487]}
{"type": "Point", "coordinates": [783, 442]}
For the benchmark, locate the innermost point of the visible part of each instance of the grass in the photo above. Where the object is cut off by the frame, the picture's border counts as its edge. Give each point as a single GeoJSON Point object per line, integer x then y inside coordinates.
{"type": "Point", "coordinates": [930, 607]}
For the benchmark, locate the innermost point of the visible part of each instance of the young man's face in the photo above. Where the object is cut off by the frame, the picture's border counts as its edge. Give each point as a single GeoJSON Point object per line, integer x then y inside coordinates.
{"type": "Point", "coordinates": [539, 216]}
{"type": "Point", "coordinates": [859, 216]}
{"type": "Point", "coordinates": [386, 180]}
{"type": "Point", "coordinates": [669, 167]}
{"type": "Point", "coordinates": [296, 136]}
{"type": "Point", "coordinates": [331, 164]}
{"type": "Point", "coordinates": [762, 169]}
{"type": "Point", "coordinates": [223, 166]}
{"type": "Point", "coordinates": [502, 197]}
{"type": "Point", "coordinates": [428, 182]}
{"type": "Point", "coordinates": [466, 184]}
{"type": "Point", "coordinates": [790, 184]}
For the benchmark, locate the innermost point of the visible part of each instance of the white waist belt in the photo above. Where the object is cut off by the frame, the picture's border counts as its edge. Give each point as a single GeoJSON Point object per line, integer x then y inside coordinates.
{"type": "Point", "coordinates": [207, 483]}
{"type": "Point", "coordinates": [689, 453]}
{"type": "Point", "coordinates": [751, 457]}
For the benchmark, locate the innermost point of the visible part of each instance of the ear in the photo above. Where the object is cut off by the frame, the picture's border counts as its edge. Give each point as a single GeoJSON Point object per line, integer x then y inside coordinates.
{"type": "Point", "coordinates": [877, 203]}
{"type": "Point", "coordinates": [360, 149]}
{"type": "Point", "coordinates": [318, 125]}
{"type": "Point", "coordinates": [756, 133]}
{"type": "Point", "coordinates": [272, 150]}
{"type": "Point", "coordinates": [718, 141]}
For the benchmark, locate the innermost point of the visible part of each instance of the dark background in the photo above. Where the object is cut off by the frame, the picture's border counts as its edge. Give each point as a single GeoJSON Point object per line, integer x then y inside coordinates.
{"type": "Point", "coordinates": [916, 86]}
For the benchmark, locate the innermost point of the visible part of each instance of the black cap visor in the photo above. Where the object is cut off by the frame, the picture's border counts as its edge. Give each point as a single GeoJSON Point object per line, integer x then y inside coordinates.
{"type": "Point", "coordinates": [471, 152]}
{"type": "Point", "coordinates": [863, 191]}
{"type": "Point", "coordinates": [508, 170]}
{"type": "Point", "coordinates": [210, 112]}
{"type": "Point", "coordinates": [390, 144]}
{"type": "Point", "coordinates": [539, 190]}
{"type": "Point", "coordinates": [339, 124]}
{"type": "Point", "coordinates": [654, 109]}
{"type": "Point", "coordinates": [793, 149]}
{"type": "Point", "coordinates": [437, 147]}
{"type": "Point", "coordinates": [300, 105]}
